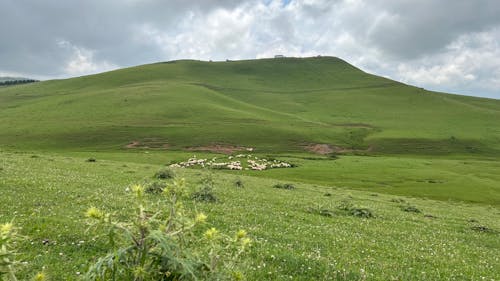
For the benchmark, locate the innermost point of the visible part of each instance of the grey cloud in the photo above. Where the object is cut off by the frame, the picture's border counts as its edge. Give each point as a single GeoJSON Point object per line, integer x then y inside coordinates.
{"type": "Point", "coordinates": [414, 28]}
{"type": "Point", "coordinates": [413, 41]}
{"type": "Point", "coordinates": [34, 28]}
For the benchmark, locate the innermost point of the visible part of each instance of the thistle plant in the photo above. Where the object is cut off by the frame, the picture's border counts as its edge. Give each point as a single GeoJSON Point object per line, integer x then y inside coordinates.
{"type": "Point", "coordinates": [8, 235]}
{"type": "Point", "coordinates": [164, 241]}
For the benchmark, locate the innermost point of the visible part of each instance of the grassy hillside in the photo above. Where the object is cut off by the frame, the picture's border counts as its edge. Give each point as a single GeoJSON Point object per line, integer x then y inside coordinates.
{"type": "Point", "coordinates": [273, 105]}
{"type": "Point", "coordinates": [424, 164]}
{"type": "Point", "coordinates": [294, 239]}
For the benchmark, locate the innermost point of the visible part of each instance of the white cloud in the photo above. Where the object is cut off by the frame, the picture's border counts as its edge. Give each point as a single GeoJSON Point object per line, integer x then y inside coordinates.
{"type": "Point", "coordinates": [469, 64]}
{"type": "Point", "coordinates": [81, 61]}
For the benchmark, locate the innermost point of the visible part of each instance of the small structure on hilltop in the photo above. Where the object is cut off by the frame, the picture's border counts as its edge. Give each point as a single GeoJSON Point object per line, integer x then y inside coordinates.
{"type": "Point", "coordinates": [279, 56]}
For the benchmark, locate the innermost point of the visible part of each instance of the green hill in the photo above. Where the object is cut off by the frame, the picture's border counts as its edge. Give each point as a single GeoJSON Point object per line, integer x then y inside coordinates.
{"type": "Point", "coordinates": [407, 186]}
{"type": "Point", "coordinates": [277, 105]}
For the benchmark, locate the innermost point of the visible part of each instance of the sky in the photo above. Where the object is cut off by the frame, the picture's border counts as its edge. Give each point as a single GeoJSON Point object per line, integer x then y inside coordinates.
{"type": "Point", "coordinates": [443, 45]}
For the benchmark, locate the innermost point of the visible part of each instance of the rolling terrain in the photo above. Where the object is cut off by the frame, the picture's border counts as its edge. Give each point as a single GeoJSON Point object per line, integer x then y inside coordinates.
{"type": "Point", "coordinates": [390, 181]}
{"type": "Point", "coordinates": [272, 105]}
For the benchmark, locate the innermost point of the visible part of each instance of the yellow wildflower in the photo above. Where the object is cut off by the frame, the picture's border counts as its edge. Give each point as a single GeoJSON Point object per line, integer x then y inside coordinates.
{"type": "Point", "coordinates": [94, 213]}
{"type": "Point", "coordinates": [211, 233]}
{"type": "Point", "coordinates": [138, 189]}
{"type": "Point", "coordinates": [241, 234]}
{"type": "Point", "coordinates": [6, 228]}
{"type": "Point", "coordinates": [246, 242]}
{"type": "Point", "coordinates": [200, 218]}
{"type": "Point", "coordinates": [40, 276]}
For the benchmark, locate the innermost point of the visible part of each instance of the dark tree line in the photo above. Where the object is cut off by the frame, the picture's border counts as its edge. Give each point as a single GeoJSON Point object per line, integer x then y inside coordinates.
{"type": "Point", "coordinates": [17, 82]}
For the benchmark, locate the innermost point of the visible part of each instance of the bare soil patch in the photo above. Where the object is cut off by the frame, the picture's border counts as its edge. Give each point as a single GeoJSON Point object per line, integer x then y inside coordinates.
{"type": "Point", "coordinates": [220, 148]}
{"type": "Point", "coordinates": [320, 148]}
{"type": "Point", "coordinates": [325, 149]}
{"type": "Point", "coordinates": [151, 143]}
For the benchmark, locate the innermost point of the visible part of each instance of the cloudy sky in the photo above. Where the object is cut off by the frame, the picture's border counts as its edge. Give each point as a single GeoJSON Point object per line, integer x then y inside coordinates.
{"type": "Point", "coordinates": [447, 45]}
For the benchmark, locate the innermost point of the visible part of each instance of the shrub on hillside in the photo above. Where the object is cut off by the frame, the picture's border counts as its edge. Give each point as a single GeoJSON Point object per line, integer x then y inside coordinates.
{"type": "Point", "coordinates": [361, 212]}
{"type": "Point", "coordinates": [348, 208]}
{"type": "Point", "coordinates": [155, 187]}
{"type": "Point", "coordinates": [239, 183]}
{"type": "Point", "coordinates": [165, 173]}
{"type": "Point", "coordinates": [206, 191]}
{"type": "Point", "coordinates": [321, 211]}
{"type": "Point", "coordinates": [287, 186]}
{"type": "Point", "coordinates": [205, 194]}
{"type": "Point", "coordinates": [410, 209]}
{"type": "Point", "coordinates": [482, 228]}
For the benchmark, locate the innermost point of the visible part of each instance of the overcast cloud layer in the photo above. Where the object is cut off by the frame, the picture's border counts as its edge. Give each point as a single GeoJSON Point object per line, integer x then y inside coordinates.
{"type": "Point", "coordinates": [447, 45]}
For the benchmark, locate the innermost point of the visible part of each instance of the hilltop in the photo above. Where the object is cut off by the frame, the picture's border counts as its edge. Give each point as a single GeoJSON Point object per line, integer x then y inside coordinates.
{"type": "Point", "coordinates": [322, 104]}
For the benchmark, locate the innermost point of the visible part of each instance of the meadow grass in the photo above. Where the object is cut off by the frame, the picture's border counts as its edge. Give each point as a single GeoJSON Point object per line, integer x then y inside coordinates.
{"type": "Point", "coordinates": [47, 196]}
{"type": "Point", "coordinates": [404, 149]}
{"type": "Point", "coordinates": [443, 178]}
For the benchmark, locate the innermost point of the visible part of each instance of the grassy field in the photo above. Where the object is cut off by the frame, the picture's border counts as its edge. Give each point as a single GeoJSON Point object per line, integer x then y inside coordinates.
{"type": "Point", "coordinates": [47, 195]}
{"type": "Point", "coordinates": [270, 105]}
{"type": "Point", "coordinates": [388, 146]}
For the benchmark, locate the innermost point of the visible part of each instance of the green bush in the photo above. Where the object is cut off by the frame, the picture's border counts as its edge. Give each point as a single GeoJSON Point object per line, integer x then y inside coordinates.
{"type": "Point", "coordinates": [287, 186]}
{"type": "Point", "coordinates": [348, 208]}
{"type": "Point", "coordinates": [361, 212]}
{"type": "Point", "coordinates": [205, 194]}
{"type": "Point", "coordinates": [410, 209]}
{"type": "Point", "coordinates": [482, 228]}
{"type": "Point", "coordinates": [239, 183]}
{"type": "Point", "coordinates": [163, 241]}
{"type": "Point", "coordinates": [206, 191]}
{"type": "Point", "coordinates": [155, 187]}
{"type": "Point", "coordinates": [165, 174]}
{"type": "Point", "coordinates": [321, 211]}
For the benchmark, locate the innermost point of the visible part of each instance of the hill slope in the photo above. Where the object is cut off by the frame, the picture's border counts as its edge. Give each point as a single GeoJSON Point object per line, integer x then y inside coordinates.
{"type": "Point", "coordinates": [270, 104]}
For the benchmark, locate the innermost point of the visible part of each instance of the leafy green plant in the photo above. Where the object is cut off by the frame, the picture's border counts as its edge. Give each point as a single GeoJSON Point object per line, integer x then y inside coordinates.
{"type": "Point", "coordinates": [347, 207]}
{"type": "Point", "coordinates": [8, 236]}
{"type": "Point", "coordinates": [206, 192]}
{"type": "Point", "coordinates": [165, 173]}
{"type": "Point", "coordinates": [239, 183]}
{"type": "Point", "coordinates": [155, 187]}
{"type": "Point", "coordinates": [321, 211]}
{"type": "Point", "coordinates": [162, 242]}
{"type": "Point", "coordinates": [410, 209]}
{"type": "Point", "coordinates": [482, 228]}
{"type": "Point", "coordinates": [288, 186]}
{"type": "Point", "coordinates": [361, 212]}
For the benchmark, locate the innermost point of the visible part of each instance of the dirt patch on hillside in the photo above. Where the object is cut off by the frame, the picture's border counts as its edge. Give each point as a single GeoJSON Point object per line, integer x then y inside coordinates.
{"type": "Point", "coordinates": [148, 144]}
{"type": "Point", "coordinates": [325, 149]}
{"type": "Point", "coordinates": [219, 148]}
{"type": "Point", "coordinates": [321, 148]}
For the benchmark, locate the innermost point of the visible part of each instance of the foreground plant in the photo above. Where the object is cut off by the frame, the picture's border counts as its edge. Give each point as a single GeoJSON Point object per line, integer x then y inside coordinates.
{"type": "Point", "coordinates": [163, 241]}
{"type": "Point", "coordinates": [8, 235]}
